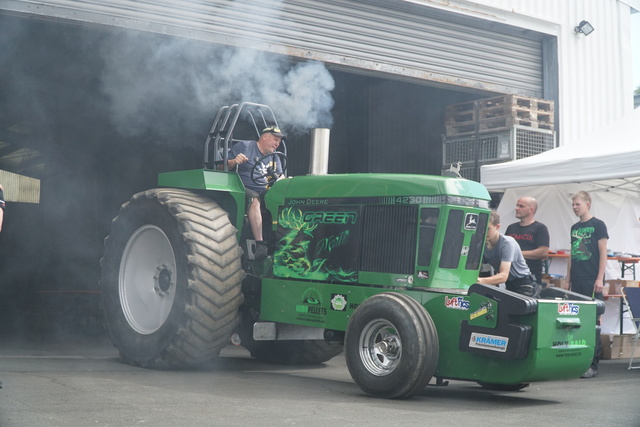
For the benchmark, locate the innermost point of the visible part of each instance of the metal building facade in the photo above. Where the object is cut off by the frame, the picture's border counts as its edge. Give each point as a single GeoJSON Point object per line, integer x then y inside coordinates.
{"type": "Point", "coordinates": [595, 85]}
{"type": "Point", "coordinates": [397, 38]}
{"type": "Point", "coordinates": [505, 46]}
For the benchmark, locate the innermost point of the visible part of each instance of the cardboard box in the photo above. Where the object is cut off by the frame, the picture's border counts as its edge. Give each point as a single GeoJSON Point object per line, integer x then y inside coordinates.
{"type": "Point", "coordinates": [615, 286]}
{"type": "Point", "coordinates": [559, 283]}
{"type": "Point", "coordinates": [618, 346]}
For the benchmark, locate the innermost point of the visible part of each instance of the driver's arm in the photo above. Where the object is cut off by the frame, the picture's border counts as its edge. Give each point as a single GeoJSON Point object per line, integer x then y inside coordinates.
{"type": "Point", "coordinates": [239, 159]}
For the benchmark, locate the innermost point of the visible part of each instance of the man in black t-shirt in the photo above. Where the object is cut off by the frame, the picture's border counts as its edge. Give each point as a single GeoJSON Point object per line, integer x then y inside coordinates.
{"type": "Point", "coordinates": [588, 260]}
{"type": "Point", "coordinates": [531, 235]}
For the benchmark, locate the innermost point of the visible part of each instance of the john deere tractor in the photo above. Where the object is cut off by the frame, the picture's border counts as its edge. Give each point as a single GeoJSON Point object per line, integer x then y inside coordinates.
{"type": "Point", "coordinates": [383, 266]}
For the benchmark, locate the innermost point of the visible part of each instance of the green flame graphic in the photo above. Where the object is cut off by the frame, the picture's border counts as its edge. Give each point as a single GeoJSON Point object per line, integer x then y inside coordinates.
{"type": "Point", "coordinates": [291, 259]}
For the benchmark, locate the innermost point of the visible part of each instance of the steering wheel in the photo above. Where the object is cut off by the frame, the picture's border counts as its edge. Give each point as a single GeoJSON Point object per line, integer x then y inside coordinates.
{"type": "Point", "coordinates": [257, 177]}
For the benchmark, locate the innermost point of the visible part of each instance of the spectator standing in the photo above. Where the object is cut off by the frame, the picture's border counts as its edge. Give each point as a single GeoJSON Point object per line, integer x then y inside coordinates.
{"type": "Point", "coordinates": [532, 236]}
{"type": "Point", "coordinates": [588, 260]}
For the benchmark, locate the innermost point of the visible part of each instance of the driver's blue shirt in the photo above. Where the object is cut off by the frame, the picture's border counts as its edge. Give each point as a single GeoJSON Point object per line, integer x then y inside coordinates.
{"type": "Point", "coordinates": [260, 174]}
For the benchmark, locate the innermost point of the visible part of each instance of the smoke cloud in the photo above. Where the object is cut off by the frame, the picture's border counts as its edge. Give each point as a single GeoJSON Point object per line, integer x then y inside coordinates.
{"type": "Point", "coordinates": [185, 79]}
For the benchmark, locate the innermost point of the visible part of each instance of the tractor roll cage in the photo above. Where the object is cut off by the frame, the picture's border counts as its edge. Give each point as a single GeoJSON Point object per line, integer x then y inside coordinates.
{"type": "Point", "coordinates": [260, 116]}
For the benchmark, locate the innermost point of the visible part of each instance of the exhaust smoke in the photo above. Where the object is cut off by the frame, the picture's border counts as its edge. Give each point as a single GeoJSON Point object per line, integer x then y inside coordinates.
{"type": "Point", "coordinates": [192, 80]}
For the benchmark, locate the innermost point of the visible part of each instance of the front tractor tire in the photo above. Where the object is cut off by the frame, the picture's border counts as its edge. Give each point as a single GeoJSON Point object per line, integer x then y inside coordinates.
{"type": "Point", "coordinates": [391, 346]}
{"type": "Point", "coordinates": [171, 279]}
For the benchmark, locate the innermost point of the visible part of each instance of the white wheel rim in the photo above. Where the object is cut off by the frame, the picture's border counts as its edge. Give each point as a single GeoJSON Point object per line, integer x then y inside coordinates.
{"type": "Point", "coordinates": [380, 347]}
{"type": "Point", "coordinates": [147, 279]}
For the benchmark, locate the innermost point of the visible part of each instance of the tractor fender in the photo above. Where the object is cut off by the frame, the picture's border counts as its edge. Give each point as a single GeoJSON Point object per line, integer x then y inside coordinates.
{"type": "Point", "coordinates": [225, 188]}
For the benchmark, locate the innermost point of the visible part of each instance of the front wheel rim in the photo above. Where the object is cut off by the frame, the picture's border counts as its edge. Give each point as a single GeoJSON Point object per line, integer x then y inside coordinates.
{"type": "Point", "coordinates": [147, 279]}
{"type": "Point", "coordinates": [380, 347]}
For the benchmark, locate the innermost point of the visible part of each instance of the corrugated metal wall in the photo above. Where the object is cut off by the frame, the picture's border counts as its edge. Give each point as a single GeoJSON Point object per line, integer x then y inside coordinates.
{"type": "Point", "coordinates": [406, 39]}
{"type": "Point", "coordinates": [395, 37]}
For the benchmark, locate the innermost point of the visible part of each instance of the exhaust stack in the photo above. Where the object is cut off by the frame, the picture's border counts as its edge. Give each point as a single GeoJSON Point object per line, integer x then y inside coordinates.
{"type": "Point", "coordinates": [319, 162]}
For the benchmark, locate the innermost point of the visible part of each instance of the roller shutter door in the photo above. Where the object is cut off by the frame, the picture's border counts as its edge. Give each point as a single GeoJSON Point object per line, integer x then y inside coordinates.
{"type": "Point", "coordinates": [394, 38]}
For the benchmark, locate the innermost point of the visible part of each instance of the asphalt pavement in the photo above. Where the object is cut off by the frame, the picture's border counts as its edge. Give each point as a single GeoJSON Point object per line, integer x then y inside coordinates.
{"type": "Point", "coordinates": [78, 380]}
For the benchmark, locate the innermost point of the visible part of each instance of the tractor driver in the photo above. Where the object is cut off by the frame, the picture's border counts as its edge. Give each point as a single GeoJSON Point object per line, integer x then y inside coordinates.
{"type": "Point", "coordinates": [244, 155]}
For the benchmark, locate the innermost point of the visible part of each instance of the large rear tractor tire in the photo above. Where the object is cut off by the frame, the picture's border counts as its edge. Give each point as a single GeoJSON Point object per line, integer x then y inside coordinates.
{"type": "Point", "coordinates": [171, 279]}
{"type": "Point", "coordinates": [391, 346]}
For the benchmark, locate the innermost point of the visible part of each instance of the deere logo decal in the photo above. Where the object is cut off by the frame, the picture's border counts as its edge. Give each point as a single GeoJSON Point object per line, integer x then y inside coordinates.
{"type": "Point", "coordinates": [471, 221]}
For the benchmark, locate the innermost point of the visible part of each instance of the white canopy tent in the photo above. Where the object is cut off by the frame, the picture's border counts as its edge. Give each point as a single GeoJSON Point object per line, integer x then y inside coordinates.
{"type": "Point", "coordinates": [609, 159]}
{"type": "Point", "coordinates": [606, 164]}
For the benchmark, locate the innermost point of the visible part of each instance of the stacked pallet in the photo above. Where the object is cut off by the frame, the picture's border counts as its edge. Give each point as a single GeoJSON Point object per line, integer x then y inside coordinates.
{"type": "Point", "coordinates": [497, 114]}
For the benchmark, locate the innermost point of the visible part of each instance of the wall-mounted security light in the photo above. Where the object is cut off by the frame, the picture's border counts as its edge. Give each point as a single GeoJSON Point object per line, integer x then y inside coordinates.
{"type": "Point", "coordinates": [584, 27]}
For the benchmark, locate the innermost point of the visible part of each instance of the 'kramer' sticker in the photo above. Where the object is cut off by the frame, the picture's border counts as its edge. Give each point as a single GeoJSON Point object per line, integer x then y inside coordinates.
{"type": "Point", "coordinates": [489, 342]}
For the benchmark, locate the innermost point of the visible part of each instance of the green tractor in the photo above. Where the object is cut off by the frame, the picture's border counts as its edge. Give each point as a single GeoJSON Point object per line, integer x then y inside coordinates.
{"type": "Point", "coordinates": [383, 266]}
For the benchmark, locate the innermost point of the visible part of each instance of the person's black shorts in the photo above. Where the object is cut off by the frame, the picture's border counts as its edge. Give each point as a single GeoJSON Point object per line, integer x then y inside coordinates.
{"type": "Point", "coordinates": [585, 287]}
{"type": "Point", "coordinates": [249, 195]}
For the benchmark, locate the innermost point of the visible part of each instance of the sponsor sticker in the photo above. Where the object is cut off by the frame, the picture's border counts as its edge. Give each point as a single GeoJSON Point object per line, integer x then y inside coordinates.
{"type": "Point", "coordinates": [489, 342]}
{"type": "Point", "coordinates": [481, 312]}
{"type": "Point", "coordinates": [338, 302]}
{"type": "Point", "coordinates": [311, 306]}
{"type": "Point", "coordinates": [570, 344]}
{"type": "Point", "coordinates": [457, 303]}
{"type": "Point", "coordinates": [568, 308]}
{"type": "Point", "coordinates": [486, 310]}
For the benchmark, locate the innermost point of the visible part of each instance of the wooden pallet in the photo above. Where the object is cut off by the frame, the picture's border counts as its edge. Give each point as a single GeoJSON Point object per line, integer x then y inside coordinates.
{"type": "Point", "coordinates": [497, 113]}
{"type": "Point", "coordinates": [516, 101]}
{"type": "Point", "coordinates": [495, 124]}
{"type": "Point", "coordinates": [509, 101]}
{"type": "Point", "coordinates": [468, 117]}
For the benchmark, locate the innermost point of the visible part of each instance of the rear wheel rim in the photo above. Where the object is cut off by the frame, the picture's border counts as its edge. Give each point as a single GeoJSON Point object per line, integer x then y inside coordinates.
{"type": "Point", "coordinates": [147, 279]}
{"type": "Point", "coordinates": [380, 347]}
